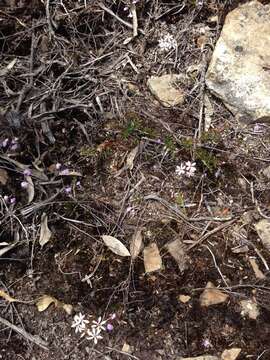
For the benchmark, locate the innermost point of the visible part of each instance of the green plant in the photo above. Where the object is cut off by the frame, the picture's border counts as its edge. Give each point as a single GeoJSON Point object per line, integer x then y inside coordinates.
{"type": "Point", "coordinates": [208, 159]}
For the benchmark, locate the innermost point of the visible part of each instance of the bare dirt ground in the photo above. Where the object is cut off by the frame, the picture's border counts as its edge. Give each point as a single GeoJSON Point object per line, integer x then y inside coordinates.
{"type": "Point", "coordinates": [73, 85]}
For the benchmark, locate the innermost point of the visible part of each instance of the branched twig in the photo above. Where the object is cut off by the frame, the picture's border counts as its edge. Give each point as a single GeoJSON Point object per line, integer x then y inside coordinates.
{"type": "Point", "coordinates": [34, 338]}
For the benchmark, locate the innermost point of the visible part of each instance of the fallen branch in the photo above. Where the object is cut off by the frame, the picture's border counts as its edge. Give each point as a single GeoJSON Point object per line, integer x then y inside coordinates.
{"type": "Point", "coordinates": [33, 338]}
{"type": "Point", "coordinates": [127, 24]}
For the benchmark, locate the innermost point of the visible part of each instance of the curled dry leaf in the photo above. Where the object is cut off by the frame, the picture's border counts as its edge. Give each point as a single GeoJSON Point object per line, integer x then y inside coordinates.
{"type": "Point", "coordinates": [3, 176]}
{"type": "Point", "coordinates": [177, 250]}
{"type": "Point", "coordinates": [136, 244]}
{"type": "Point", "coordinates": [152, 258]}
{"type": "Point", "coordinates": [46, 300]}
{"type": "Point", "coordinates": [115, 245]}
{"type": "Point", "coordinates": [30, 188]}
{"type": "Point", "coordinates": [7, 297]}
{"type": "Point", "coordinates": [45, 232]}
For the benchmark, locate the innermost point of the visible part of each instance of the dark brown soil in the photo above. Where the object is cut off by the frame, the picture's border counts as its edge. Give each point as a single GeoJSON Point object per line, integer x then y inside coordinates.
{"type": "Point", "coordinates": [73, 97]}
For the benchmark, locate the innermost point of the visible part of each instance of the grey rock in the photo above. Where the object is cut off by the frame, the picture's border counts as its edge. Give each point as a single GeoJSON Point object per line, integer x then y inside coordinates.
{"type": "Point", "coordinates": [239, 71]}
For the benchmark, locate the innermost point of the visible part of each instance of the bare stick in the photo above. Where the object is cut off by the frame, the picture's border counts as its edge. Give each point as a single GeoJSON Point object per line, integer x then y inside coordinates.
{"type": "Point", "coordinates": [109, 11]}
{"type": "Point", "coordinates": [51, 30]}
{"type": "Point", "coordinates": [34, 338]}
{"type": "Point", "coordinates": [134, 20]}
{"type": "Point", "coordinates": [215, 230]}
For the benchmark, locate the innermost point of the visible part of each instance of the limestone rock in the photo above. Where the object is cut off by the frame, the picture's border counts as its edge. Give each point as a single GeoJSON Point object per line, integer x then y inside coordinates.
{"type": "Point", "coordinates": [212, 296]}
{"type": "Point", "coordinates": [239, 72]}
{"type": "Point", "coordinates": [164, 88]}
{"type": "Point", "coordinates": [249, 309]}
{"type": "Point", "coordinates": [184, 298]}
{"type": "Point", "coordinates": [230, 354]}
{"type": "Point", "coordinates": [263, 229]}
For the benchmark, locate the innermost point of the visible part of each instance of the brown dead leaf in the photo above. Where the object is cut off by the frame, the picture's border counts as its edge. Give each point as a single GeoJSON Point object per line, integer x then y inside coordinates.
{"type": "Point", "coordinates": [7, 297]}
{"type": "Point", "coordinates": [212, 296]}
{"type": "Point", "coordinates": [152, 258]}
{"type": "Point", "coordinates": [136, 244]}
{"type": "Point", "coordinates": [46, 300]}
{"type": "Point", "coordinates": [45, 232]}
{"type": "Point", "coordinates": [177, 251]}
{"type": "Point", "coordinates": [115, 245]}
{"type": "Point", "coordinates": [131, 157]}
{"type": "Point", "coordinates": [3, 176]}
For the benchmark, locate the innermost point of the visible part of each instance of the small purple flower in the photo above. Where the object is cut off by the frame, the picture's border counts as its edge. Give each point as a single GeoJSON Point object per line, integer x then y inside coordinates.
{"type": "Point", "coordinates": [14, 141]}
{"type": "Point", "coordinates": [12, 200]}
{"type": "Point", "coordinates": [27, 172]}
{"type": "Point", "coordinates": [64, 172]}
{"type": "Point", "coordinates": [68, 189]}
{"type": "Point", "coordinates": [24, 184]}
{"type": "Point", "coordinates": [58, 166]}
{"type": "Point", "coordinates": [109, 327]}
{"type": "Point", "coordinates": [5, 143]}
{"type": "Point", "coordinates": [14, 147]}
{"type": "Point", "coordinates": [206, 343]}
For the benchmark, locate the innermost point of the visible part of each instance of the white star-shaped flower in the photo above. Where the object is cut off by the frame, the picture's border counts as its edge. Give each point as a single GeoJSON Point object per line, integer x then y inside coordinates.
{"type": "Point", "coordinates": [79, 323]}
{"type": "Point", "coordinates": [94, 334]}
{"type": "Point", "coordinates": [99, 324]}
